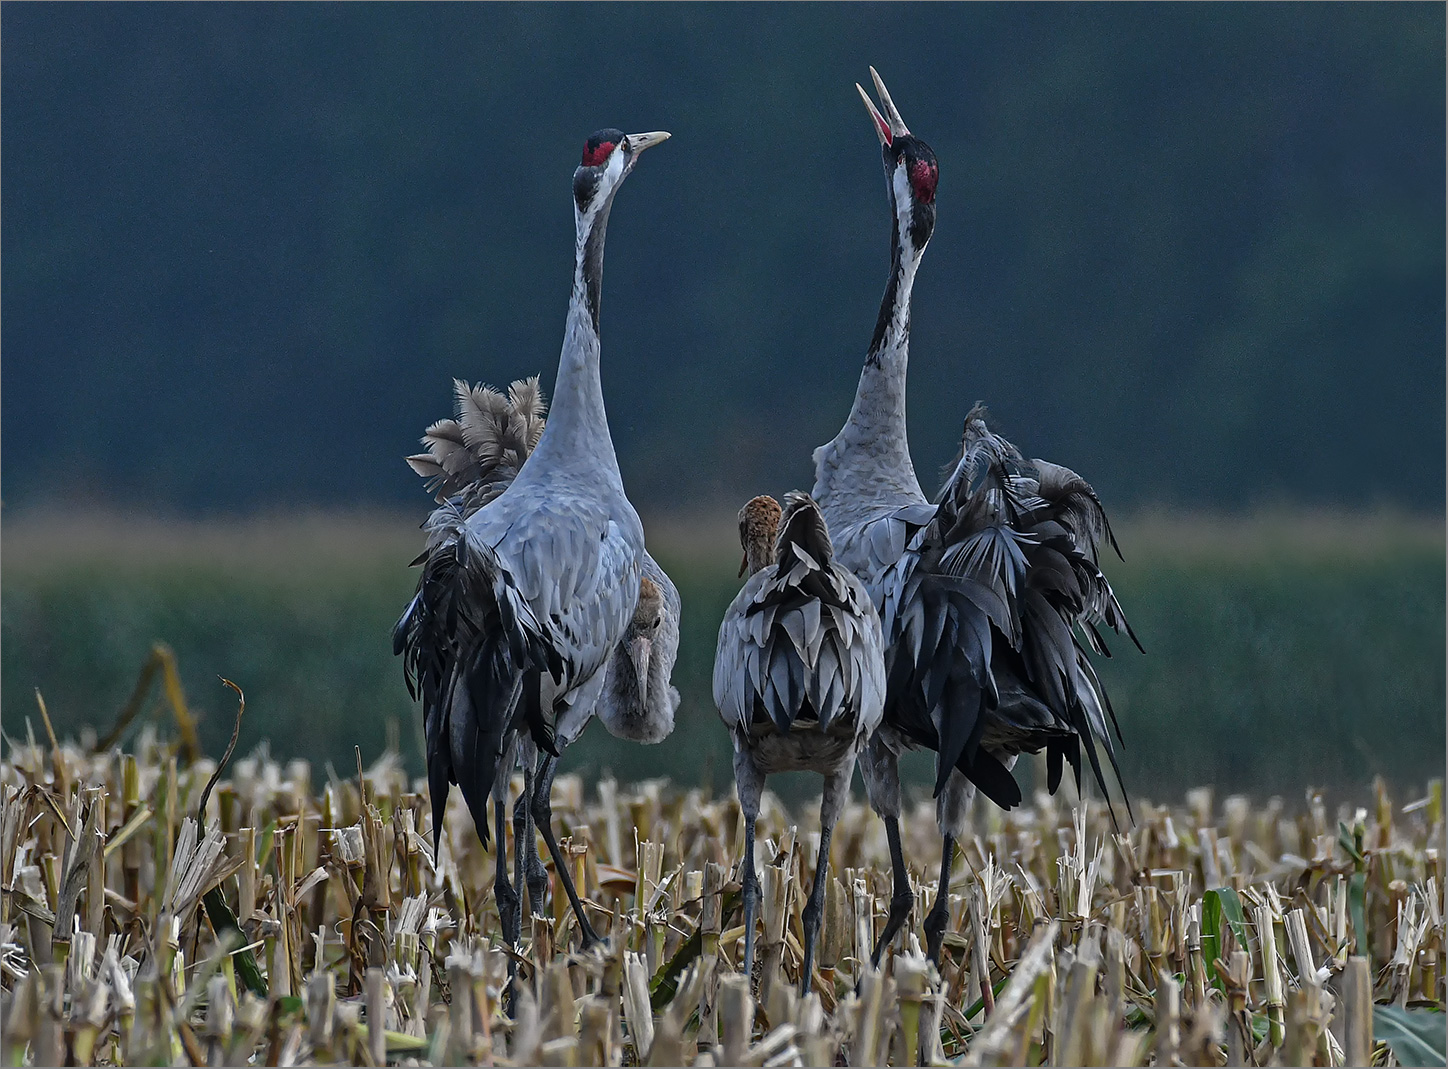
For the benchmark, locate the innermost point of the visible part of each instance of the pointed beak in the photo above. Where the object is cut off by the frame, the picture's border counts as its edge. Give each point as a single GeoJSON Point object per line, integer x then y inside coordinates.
{"type": "Point", "coordinates": [890, 125]}
{"type": "Point", "coordinates": [639, 142]}
{"type": "Point", "coordinates": [639, 651]}
{"type": "Point", "coordinates": [743, 566]}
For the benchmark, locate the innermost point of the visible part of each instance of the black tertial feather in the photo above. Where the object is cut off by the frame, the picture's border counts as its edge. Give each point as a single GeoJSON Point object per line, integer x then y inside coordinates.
{"type": "Point", "coordinates": [1054, 753]}
{"type": "Point", "coordinates": [994, 780]}
{"type": "Point", "coordinates": [1002, 576]}
{"type": "Point", "coordinates": [465, 650]}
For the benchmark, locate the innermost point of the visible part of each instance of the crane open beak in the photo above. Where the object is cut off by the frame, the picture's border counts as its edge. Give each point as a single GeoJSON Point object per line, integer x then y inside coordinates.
{"type": "Point", "coordinates": [888, 126]}
{"type": "Point", "coordinates": [638, 142]}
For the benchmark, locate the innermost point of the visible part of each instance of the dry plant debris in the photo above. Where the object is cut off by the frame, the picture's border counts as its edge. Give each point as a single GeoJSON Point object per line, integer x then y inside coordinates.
{"type": "Point", "coordinates": [306, 922]}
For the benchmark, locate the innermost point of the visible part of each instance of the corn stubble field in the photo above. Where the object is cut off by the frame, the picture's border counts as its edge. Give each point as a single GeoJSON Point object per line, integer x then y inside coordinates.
{"type": "Point", "coordinates": [310, 923]}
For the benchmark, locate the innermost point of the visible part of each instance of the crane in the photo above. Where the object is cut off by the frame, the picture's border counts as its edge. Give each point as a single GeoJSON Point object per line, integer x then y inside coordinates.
{"type": "Point", "coordinates": [979, 615]}
{"type": "Point", "coordinates": [516, 619]}
{"type": "Point", "coordinates": [470, 460]}
{"type": "Point", "coordinates": [799, 679]}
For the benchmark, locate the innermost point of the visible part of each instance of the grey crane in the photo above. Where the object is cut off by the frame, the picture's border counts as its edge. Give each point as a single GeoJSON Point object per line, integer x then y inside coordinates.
{"type": "Point", "coordinates": [799, 679]}
{"type": "Point", "coordinates": [515, 620]}
{"type": "Point", "coordinates": [980, 594]}
{"type": "Point", "coordinates": [470, 460]}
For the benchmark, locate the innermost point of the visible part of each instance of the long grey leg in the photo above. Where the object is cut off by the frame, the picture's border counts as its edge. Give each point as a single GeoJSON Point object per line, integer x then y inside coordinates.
{"type": "Point", "coordinates": [837, 789]}
{"type": "Point", "coordinates": [536, 873]}
{"type": "Point", "coordinates": [522, 832]}
{"type": "Point", "coordinates": [509, 908]}
{"type": "Point", "coordinates": [940, 912]}
{"type": "Point", "coordinates": [902, 900]}
{"type": "Point", "coordinates": [508, 904]}
{"type": "Point", "coordinates": [750, 783]}
{"type": "Point", "coordinates": [543, 817]}
{"type": "Point", "coordinates": [880, 768]}
{"type": "Point", "coordinates": [750, 883]}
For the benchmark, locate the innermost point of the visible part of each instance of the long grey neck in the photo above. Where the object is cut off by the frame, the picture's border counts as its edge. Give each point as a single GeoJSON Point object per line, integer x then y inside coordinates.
{"type": "Point", "coordinates": [869, 460]}
{"type": "Point", "coordinates": [576, 435]}
{"type": "Point", "coordinates": [879, 404]}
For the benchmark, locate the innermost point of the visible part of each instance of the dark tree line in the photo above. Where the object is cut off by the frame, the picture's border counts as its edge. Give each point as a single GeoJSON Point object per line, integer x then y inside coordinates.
{"type": "Point", "coordinates": [1195, 252]}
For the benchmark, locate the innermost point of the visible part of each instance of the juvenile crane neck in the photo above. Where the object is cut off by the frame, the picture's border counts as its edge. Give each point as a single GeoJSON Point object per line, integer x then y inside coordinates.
{"type": "Point", "coordinates": [759, 552]}
{"type": "Point", "coordinates": [758, 526]}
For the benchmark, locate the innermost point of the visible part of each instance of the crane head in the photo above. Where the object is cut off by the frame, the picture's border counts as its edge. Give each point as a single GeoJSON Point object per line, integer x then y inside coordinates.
{"type": "Point", "coordinates": [648, 618]}
{"type": "Point", "coordinates": [910, 166]}
{"type": "Point", "coordinates": [608, 156]}
{"type": "Point", "coordinates": [758, 525]}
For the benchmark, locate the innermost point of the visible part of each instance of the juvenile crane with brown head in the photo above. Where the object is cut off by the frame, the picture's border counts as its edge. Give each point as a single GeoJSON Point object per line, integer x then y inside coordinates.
{"type": "Point", "coordinates": [799, 679]}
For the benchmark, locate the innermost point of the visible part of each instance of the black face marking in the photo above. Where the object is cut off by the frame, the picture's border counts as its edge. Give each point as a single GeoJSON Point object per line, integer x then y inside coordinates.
{"type": "Point", "coordinates": [922, 224]}
{"type": "Point", "coordinates": [585, 185]}
{"type": "Point", "coordinates": [922, 171]}
{"type": "Point", "coordinates": [597, 151]}
{"type": "Point", "coordinates": [887, 308]}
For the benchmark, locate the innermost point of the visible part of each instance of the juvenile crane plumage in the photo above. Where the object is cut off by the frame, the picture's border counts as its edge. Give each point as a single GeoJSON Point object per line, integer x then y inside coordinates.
{"type": "Point", "coordinates": [979, 593]}
{"type": "Point", "coordinates": [799, 679]}
{"type": "Point", "coordinates": [515, 620]}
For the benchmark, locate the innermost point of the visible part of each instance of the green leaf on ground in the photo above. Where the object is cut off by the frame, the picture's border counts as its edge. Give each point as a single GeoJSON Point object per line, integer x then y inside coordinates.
{"type": "Point", "coordinates": [1416, 1037]}
{"type": "Point", "coordinates": [1220, 906]}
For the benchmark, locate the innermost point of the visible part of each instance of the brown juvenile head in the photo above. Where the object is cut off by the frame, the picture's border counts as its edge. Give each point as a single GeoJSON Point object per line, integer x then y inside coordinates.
{"type": "Point", "coordinates": [758, 523]}
{"type": "Point", "coordinates": [649, 612]}
{"type": "Point", "coordinates": [648, 617]}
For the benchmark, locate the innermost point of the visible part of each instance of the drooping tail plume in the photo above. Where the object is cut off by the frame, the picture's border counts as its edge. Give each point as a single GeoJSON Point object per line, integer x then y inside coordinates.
{"type": "Point", "coordinates": [479, 453]}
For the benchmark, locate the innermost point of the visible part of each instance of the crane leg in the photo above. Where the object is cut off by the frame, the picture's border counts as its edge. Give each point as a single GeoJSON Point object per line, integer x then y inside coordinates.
{"type": "Point", "coordinates": [522, 815]}
{"type": "Point", "coordinates": [508, 904]}
{"type": "Point", "coordinates": [814, 910]}
{"type": "Point", "coordinates": [543, 817]}
{"type": "Point", "coordinates": [509, 908]}
{"type": "Point", "coordinates": [749, 781]}
{"type": "Point", "coordinates": [902, 900]}
{"type": "Point", "coordinates": [527, 868]}
{"type": "Point", "coordinates": [837, 789]}
{"type": "Point", "coordinates": [750, 884]}
{"type": "Point", "coordinates": [540, 782]}
{"type": "Point", "coordinates": [940, 912]}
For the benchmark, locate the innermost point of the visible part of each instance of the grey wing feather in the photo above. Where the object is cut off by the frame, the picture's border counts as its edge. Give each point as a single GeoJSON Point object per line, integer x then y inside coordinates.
{"type": "Point", "coordinates": [1060, 526]}
{"type": "Point", "coordinates": [666, 645]}
{"type": "Point", "coordinates": [522, 587]}
{"type": "Point", "coordinates": [802, 637]}
{"type": "Point", "coordinates": [470, 643]}
{"type": "Point", "coordinates": [739, 657]}
{"type": "Point", "coordinates": [978, 606]}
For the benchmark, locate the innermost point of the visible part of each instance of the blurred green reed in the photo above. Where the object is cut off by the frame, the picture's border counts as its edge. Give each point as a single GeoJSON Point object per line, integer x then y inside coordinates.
{"type": "Point", "coordinates": [1282, 651]}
